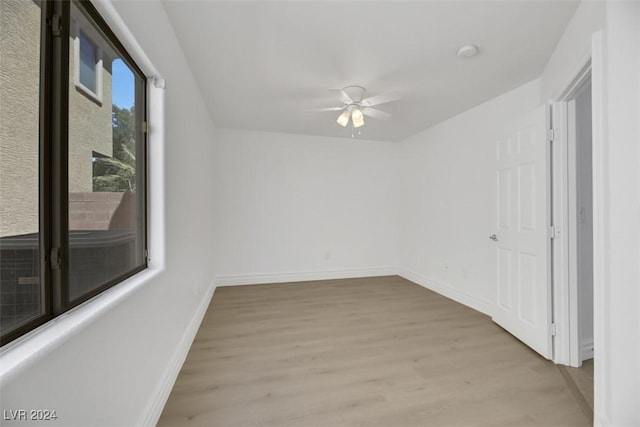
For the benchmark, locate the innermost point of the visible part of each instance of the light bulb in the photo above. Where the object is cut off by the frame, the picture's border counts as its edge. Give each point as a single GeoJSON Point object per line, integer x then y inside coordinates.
{"type": "Point", "coordinates": [357, 117]}
{"type": "Point", "coordinates": [343, 120]}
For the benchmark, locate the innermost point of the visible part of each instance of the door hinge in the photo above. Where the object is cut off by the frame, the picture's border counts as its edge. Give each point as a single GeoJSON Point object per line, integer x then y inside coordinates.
{"type": "Point", "coordinates": [54, 258]}
{"type": "Point", "coordinates": [56, 25]}
{"type": "Point", "coordinates": [552, 232]}
{"type": "Point", "coordinates": [551, 135]}
{"type": "Point", "coordinates": [553, 330]}
{"type": "Point", "coordinates": [145, 127]}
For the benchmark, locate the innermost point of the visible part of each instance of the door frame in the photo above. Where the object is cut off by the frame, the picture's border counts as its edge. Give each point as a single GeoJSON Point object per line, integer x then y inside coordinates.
{"type": "Point", "coordinates": [567, 349]}
{"type": "Point", "coordinates": [593, 63]}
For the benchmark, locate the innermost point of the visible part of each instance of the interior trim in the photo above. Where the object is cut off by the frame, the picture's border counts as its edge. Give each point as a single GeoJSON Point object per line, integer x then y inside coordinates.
{"type": "Point", "coordinates": [159, 397]}
{"type": "Point", "coordinates": [303, 276]}
{"type": "Point", "coordinates": [450, 292]}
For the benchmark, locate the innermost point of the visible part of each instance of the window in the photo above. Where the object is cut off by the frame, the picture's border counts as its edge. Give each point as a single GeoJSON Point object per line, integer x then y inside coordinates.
{"type": "Point", "coordinates": [73, 170]}
{"type": "Point", "coordinates": [86, 56]}
{"type": "Point", "coordinates": [88, 62]}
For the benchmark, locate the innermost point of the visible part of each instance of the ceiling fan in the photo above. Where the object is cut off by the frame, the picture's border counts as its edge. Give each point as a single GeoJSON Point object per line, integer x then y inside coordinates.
{"type": "Point", "coordinates": [356, 106]}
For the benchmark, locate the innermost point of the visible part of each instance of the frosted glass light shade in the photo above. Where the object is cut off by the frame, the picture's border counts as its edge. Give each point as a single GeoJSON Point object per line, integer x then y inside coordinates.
{"type": "Point", "coordinates": [343, 119]}
{"type": "Point", "coordinates": [357, 117]}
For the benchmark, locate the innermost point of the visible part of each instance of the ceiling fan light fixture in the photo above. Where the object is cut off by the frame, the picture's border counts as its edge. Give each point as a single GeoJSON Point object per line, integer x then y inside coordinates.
{"type": "Point", "coordinates": [343, 119]}
{"type": "Point", "coordinates": [357, 117]}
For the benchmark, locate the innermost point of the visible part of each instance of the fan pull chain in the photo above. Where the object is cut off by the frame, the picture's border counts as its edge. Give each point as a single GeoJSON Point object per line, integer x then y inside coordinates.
{"type": "Point", "coordinates": [353, 131]}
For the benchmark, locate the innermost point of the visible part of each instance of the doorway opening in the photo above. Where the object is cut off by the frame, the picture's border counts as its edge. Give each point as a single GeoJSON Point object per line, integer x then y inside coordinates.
{"type": "Point", "coordinates": [581, 220]}
{"type": "Point", "coordinates": [572, 215]}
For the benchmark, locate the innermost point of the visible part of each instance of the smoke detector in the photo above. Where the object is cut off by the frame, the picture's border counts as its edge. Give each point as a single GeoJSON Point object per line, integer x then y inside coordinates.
{"type": "Point", "coordinates": [467, 51]}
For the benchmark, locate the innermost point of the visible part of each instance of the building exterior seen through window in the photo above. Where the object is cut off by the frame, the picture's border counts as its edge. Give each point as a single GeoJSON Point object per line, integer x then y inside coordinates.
{"type": "Point", "coordinates": [71, 225]}
{"type": "Point", "coordinates": [21, 291]}
{"type": "Point", "coordinates": [88, 62]}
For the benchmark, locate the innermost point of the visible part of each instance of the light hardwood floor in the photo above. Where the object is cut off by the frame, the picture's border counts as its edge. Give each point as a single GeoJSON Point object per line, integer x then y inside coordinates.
{"type": "Point", "coordinates": [580, 381]}
{"type": "Point", "coordinates": [360, 352]}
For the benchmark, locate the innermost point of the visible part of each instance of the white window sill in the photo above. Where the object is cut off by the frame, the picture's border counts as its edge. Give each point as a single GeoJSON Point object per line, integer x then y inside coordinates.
{"type": "Point", "coordinates": [89, 93]}
{"type": "Point", "coordinates": [21, 353]}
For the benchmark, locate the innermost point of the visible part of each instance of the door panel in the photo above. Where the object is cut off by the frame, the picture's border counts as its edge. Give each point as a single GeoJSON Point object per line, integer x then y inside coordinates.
{"type": "Point", "coordinates": [504, 277]}
{"type": "Point", "coordinates": [521, 249]}
{"type": "Point", "coordinates": [527, 193]}
{"type": "Point", "coordinates": [526, 284]}
{"type": "Point", "coordinates": [504, 199]}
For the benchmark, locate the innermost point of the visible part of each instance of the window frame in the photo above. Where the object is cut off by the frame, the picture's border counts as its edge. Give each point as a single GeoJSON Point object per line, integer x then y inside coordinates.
{"type": "Point", "coordinates": [53, 161]}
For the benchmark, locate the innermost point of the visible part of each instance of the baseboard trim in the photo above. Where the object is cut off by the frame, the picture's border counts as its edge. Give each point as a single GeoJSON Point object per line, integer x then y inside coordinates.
{"type": "Point", "coordinates": [586, 350]}
{"type": "Point", "coordinates": [159, 398]}
{"type": "Point", "coordinates": [256, 279]}
{"type": "Point", "coordinates": [448, 291]}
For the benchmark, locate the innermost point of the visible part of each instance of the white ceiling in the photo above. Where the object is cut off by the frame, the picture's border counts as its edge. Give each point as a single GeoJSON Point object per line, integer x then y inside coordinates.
{"type": "Point", "coordinates": [260, 65]}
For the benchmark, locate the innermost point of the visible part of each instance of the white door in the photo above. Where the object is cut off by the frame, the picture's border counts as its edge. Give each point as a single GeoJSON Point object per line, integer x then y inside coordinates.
{"type": "Point", "coordinates": [521, 239]}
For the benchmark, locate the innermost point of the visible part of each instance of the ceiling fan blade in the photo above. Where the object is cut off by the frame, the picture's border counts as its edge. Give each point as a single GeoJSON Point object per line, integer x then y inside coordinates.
{"type": "Point", "coordinates": [344, 97]}
{"type": "Point", "coordinates": [375, 113]}
{"type": "Point", "coordinates": [381, 99]}
{"type": "Point", "coordinates": [324, 109]}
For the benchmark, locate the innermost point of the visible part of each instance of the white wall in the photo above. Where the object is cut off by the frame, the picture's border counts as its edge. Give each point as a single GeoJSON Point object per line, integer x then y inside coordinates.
{"type": "Point", "coordinates": [292, 207]}
{"type": "Point", "coordinates": [446, 199]}
{"type": "Point", "coordinates": [110, 369]}
{"type": "Point", "coordinates": [618, 350]}
{"type": "Point", "coordinates": [573, 49]}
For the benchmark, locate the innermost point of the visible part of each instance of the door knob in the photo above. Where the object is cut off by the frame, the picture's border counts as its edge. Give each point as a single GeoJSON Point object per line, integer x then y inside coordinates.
{"type": "Point", "coordinates": [494, 237]}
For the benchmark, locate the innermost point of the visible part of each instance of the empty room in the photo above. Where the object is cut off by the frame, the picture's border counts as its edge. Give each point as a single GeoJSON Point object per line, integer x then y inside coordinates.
{"type": "Point", "coordinates": [319, 213]}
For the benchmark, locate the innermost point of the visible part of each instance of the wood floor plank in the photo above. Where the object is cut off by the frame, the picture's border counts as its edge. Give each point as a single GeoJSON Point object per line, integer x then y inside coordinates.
{"type": "Point", "coordinates": [360, 352]}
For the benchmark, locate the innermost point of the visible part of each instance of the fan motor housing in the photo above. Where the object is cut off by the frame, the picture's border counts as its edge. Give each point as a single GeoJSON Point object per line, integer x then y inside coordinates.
{"type": "Point", "coordinates": [355, 92]}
